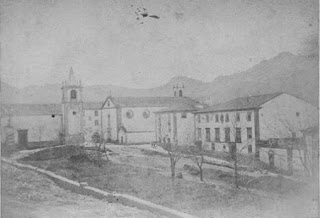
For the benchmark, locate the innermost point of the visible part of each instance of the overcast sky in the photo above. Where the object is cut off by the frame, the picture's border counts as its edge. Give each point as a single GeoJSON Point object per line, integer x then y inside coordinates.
{"type": "Point", "coordinates": [105, 44]}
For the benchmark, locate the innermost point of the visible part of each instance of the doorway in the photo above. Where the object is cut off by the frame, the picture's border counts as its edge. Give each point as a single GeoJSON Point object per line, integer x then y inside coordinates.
{"type": "Point", "coordinates": [271, 159]}
{"type": "Point", "coordinates": [23, 138]}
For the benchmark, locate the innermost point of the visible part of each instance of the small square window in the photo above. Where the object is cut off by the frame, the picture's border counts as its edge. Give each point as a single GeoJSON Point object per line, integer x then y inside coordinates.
{"type": "Point", "coordinates": [96, 113]}
{"type": "Point", "coordinates": [297, 114]}
{"type": "Point", "coordinates": [184, 115]}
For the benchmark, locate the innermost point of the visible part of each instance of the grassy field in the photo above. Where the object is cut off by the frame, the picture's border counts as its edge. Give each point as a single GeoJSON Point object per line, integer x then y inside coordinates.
{"type": "Point", "coordinates": [144, 174]}
{"type": "Point", "coordinates": [24, 193]}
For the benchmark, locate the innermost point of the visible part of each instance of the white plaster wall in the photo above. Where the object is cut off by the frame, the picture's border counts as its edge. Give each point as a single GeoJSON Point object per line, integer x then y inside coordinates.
{"type": "Point", "coordinates": [165, 117]}
{"type": "Point", "coordinates": [232, 124]}
{"type": "Point", "coordinates": [278, 117]}
{"type": "Point", "coordinates": [113, 122]}
{"type": "Point", "coordinates": [89, 123]}
{"type": "Point", "coordinates": [40, 128]}
{"type": "Point", "coordinates": [185, 129]}
{"type": "Point", "coordinates": [138, 122]}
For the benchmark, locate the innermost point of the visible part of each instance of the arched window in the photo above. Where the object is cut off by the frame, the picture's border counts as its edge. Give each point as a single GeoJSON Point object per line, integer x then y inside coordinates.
{"type": "Point", "coordinates": [73, 94]}
{"type": "Point", "coordinates": [180, 93]}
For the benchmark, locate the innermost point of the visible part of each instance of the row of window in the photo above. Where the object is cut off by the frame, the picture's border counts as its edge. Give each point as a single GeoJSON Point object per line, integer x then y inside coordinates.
{"type": "Point", "coordinates": [223, 118]}
{"type": "Point", "coordinates": [226, 134]}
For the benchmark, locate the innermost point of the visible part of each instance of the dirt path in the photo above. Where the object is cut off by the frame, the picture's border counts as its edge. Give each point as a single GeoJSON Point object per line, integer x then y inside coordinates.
{"type": "Point", "coordinates": [30, 195]}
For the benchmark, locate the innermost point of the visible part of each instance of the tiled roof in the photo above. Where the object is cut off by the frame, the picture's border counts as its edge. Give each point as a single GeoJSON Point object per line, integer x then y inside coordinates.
{"type": "Point", "coordinates": [179, 108]}
{"type": "Point", "coordinates": [92, 105]}
{"type": "Point", "coordinates": [151, 101]}
{"type": "Point", "coordinates": [30, 109]}
{"type": "Point", "coordinates": [250, 102]}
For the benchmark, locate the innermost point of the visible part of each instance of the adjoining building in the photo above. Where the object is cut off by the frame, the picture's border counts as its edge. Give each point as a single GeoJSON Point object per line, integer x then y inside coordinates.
{"type": "Point", "coordinates": [253, 121]}
{"type": "Point", "coordinates": [31, 124]}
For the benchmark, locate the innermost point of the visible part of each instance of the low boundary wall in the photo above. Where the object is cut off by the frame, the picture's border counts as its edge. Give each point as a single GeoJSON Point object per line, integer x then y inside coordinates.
{"type": "Point", "coordinates": [124, 199]}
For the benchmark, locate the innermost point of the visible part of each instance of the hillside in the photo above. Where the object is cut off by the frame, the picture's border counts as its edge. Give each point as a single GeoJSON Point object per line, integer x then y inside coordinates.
{"type": "Point", "coordinates": [297, 75]}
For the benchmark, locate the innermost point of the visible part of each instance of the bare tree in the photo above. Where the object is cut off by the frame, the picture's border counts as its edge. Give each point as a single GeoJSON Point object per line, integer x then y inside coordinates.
{"type": "Point", "coordinates": [174, 153]}
{"type": "Point", "coordinates": [196, 155]}
{"type": "Point", "coordinates": [236, 127]}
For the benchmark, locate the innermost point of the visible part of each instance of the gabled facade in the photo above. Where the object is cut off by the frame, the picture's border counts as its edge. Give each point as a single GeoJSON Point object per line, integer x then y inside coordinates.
{"type": "Point", "coordinates": [132, 119]}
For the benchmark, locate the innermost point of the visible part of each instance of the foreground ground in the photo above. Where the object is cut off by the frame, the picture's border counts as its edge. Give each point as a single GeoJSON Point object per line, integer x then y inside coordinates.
{"type": "Point", "coordinates": [145, 173]}
{"type": "Point", "coordinates": [26, 194]}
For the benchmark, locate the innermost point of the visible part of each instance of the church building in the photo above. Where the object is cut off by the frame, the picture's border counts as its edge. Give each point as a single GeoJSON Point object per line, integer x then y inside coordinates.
{"type": "Point", "coordinates": [124, 120]}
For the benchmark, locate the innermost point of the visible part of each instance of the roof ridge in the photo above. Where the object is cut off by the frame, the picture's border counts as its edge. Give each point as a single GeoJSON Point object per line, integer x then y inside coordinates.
{"type": "Point", "coordinates": [274, 93]}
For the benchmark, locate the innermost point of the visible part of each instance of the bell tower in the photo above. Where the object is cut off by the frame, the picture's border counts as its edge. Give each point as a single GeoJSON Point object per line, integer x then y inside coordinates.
{"type": "Point", "coordinates": [178, 89]}
{"type": "Point", "coordinates": [72, 108]}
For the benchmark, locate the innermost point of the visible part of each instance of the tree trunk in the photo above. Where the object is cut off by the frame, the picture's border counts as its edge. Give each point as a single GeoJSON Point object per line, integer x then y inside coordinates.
{"type": "Point", "coordinates": [172, 163]}
{"type": "Point", "coordinates": [201, 174]}
{"type": "Point", "coordinates": [236, 170]}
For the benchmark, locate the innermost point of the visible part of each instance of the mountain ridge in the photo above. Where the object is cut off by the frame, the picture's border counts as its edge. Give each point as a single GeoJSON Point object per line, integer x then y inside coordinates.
{"type": "Point", "coordinates": [286, 72]}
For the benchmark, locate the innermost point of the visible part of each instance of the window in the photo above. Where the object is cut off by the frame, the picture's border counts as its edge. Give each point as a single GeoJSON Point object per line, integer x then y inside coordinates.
{"type": "Point", "coordinates": [74, 113]}
{"type": "Point", "coordinates": [249, 133]}
{"type": "Point", "coordinates": [249, 116]}
{"type": "Point", "coordinates": [207, 118]}
{"type": "Point", "coordinates": [213, 147]}
{"type": "Point", "coordinates": [227, 134]}
{"type": "Point", "coordinates": [199, 133]}
{"type": "Point", "coordinates": [183, 115]}
{"type": "Point", "coordinates": [129, 114]}
{"type": "Point", "coordinates": [146, 114]}
{"type": "Point", "coordinates": [217, 118]}
{"type": "Point", "coordinates": [224, 146]}
{"type": "Point", "coordinates": [217, 134]}
{"type": "Point", "coordinates": [297, 114]}
{"type": "Point", "coordinates": [249, 149]}
{"type": "Point", "coordinates": [180, 93]}
{"type": "Point", "coordinates": [221, 118]}
{"type": "Point", "coordinates": [96, 113]}
{"type": "Point", "coordinates": [108, 103]}
{"type": "Point", "coordinates": [73, 94]}
{"type": "Point", "coordinates": [199, 118]}
{"type": "Point", "coordinates": [238, 117]}
{"type": "Point", "coordinates": [238, 135]}
{"type": "Point", "coordinates": [227, 117]}
{"type": "Point", "coordinates": [208, 135]}
{"type": "Point", "coordinates": [96, 122]}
